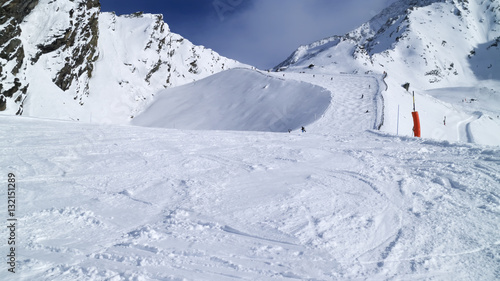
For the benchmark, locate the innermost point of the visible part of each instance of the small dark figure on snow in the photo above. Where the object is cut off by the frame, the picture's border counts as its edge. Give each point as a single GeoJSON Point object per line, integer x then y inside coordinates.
{"type": "Point", "coordinates": [303, 129]}
{"type": "Point", "coordinates": [289, 130]}
{"type": "Point", "coordinates": [362, 96]}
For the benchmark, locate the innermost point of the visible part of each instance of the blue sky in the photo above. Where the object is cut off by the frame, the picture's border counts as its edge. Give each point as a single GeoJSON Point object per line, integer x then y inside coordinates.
{"type": "Point", "coordinates": [257, 32]}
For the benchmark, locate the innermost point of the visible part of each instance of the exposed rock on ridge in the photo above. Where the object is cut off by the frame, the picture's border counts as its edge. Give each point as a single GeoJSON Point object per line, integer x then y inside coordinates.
{"type": "Point", "coordinates": [13, 84]}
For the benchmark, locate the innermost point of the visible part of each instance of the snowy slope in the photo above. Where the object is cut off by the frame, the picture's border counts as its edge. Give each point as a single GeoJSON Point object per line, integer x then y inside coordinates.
{"type": "Point", "coordinates": [130, 203]}
{"type": "Point", "coordinates": [448, 48]}
{"type": "Point", "coordinates": [340, 202]}
{"type": "Point", "coordinates": [238, 99]}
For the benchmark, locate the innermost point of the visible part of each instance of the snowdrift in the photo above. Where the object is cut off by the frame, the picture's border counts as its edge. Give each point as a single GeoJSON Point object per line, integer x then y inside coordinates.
{"type": "Point", "coordinates": [238, 99]}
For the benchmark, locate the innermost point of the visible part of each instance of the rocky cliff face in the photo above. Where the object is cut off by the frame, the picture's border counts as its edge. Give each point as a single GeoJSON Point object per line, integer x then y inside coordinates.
{"type": "Point", "coordinates": [76, 45]}
{"type": "Point", "coordinates": [62, 35]}
{"type": "Point", "coordinates": [66, 59]}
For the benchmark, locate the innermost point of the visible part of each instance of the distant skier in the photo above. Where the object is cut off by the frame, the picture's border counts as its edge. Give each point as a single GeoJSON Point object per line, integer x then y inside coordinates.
{"type": "Point", "coordinates": [444, 121]}
{"type": "Point", "coordinates": [303, 129]}
{"type": "Point", "coordinates": [362, 96]}
{"type": "Point", "coordinates": [289, 130]}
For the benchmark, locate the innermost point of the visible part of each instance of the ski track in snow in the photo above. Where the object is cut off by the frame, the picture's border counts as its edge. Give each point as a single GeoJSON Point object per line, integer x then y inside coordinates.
{"type": "Point", "coordinates": [354, 101]}
{"type": "Point", "coordinates": [464, 131]}
{"type": "Point", "coordinates": [339, 202]}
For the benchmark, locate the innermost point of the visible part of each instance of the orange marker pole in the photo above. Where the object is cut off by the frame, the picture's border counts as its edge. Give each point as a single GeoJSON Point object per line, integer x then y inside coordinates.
{"type": "Point", "coordinates": [416, 124]}
{"type": "Point", "coordinates": [416, 120]}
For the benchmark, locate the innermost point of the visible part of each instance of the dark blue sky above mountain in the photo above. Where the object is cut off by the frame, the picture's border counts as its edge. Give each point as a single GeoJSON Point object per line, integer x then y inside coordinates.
{"type": "Point", "coordinates": [258, 32]}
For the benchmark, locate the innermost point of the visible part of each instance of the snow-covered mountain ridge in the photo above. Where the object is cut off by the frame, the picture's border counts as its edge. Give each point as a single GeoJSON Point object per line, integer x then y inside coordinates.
{"type": "Point", "coordinates": [433, 43]}
{"type": "Point", "coordinates": [67, 60]}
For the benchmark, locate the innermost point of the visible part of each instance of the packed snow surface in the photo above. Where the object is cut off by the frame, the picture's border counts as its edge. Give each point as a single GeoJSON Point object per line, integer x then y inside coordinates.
{"type": "Point", "coordinates": [339, 202]}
